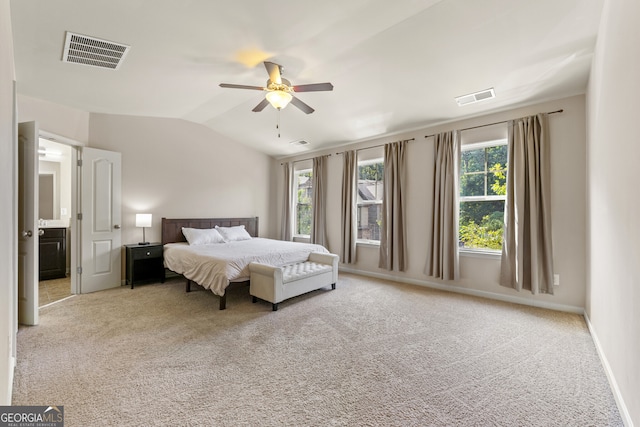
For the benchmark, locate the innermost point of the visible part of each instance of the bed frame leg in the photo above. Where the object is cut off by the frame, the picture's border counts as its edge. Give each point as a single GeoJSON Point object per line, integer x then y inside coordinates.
{"type": "Point", "coordinates": [223, 302]}
{"type": "Point", "coordinates": [333, 286]}
{"type": "Point", "coordinates": [254, 299]}
{"type": "Point", "coordinates": [188, 286]}
{"type": "Point", "coordinates": [274, 307]}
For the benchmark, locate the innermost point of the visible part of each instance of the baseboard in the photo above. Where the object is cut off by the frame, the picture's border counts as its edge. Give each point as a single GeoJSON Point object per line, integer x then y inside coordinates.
{"type": "Point", "coordinates": [472, 292]}
{"type": "Point", "coordinates": [624, 413]}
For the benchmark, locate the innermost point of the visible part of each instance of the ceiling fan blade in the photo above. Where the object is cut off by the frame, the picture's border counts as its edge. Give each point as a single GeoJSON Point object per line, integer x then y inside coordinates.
{"type": "Point", "coordinates": [274, 72]}
{"type": "Point", "coordinates": [260, 106]}
{"type": "Point", "coordinates": [232, 86]}
{"type": "Point", "coordinates": [314, 87]}
{"type": "Point", "coordinates": [301, 105]}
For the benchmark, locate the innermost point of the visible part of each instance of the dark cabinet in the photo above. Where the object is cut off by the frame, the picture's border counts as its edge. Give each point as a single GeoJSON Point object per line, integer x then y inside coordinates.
{"type": "Point", "coordinates": [52, 253]}
{"type": "Point", "coordinates": [144, 263]}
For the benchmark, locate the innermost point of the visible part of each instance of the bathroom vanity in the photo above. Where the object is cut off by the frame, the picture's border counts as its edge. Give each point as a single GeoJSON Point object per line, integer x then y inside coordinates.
{"type": "Point", "coordinates": [53, 252]}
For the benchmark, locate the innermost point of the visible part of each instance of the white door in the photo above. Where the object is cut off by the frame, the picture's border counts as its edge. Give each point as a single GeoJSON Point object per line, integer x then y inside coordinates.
{"type": "Point", "coordinates": [27, 223]}
{"type": "Point", "coordinates": [100, 223]}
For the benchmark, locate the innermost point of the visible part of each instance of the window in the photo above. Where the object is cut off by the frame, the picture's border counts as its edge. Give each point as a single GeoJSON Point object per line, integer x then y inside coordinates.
{"type": "Point", "coordinates": [369, 208]}
{"type": "Point", "coordinates": [483, 193]}
{"type": "Point", "coordinates": [304, 192]}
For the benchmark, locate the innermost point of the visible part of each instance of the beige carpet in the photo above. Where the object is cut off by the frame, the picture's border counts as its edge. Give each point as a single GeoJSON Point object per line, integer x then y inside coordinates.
{"type": "Point", "coordinates": [370, 353]}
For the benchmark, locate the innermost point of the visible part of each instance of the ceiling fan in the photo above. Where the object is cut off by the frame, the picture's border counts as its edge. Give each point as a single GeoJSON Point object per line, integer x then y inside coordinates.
{"type": "Point", "coordinates": [279, 90]}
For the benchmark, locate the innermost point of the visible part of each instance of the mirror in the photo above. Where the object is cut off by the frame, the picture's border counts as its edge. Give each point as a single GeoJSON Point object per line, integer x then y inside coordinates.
{"type": "Point", "coordinates": [46, 196]}
{"type": "Point", "coordinates": [54, 193]}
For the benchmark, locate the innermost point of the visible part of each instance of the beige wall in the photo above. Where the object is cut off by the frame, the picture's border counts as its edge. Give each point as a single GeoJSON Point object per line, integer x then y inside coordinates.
{"type": "Point", "coordinates": [613, 227]}
{"type": "Point", "coordinates": [480, 275]}
{"type": "Point", "coordinates": [179, 169]}
{"type": "Point", "coordinates": [8, 239]}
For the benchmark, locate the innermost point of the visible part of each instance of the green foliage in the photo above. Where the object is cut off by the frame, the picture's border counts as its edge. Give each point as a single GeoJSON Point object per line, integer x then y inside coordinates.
{"type": "Point", "coordinates": [486, 235]}
{"type": "Point", "coordinates": [499, 186]}
{"type": "Point", "coordinates": [371, 172]}
{"type": "Point", "coordinates": [303, 213]}
{"type": "Point", "coordinates": [303, 219]}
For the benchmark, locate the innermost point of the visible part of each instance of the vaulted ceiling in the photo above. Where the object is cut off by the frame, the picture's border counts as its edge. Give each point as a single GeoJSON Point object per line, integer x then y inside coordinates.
{"type": "Point", "coordinates": [394, 66]}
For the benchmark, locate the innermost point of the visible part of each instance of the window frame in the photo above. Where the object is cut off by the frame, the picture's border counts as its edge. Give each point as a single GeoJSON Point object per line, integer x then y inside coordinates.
{"type": "Point", "coordinates": [486, 198]}
{"type": "Point", "coordinates": [296, 174]}
{"type": "Point", "coordinates": [365, 203]}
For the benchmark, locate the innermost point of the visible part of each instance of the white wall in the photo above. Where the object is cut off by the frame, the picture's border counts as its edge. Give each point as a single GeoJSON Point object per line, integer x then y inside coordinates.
{"type": "Point", "coordinates": [8, 215]}
{"type": "Point", "coordinates": [179, 169]}
{"type": "Point", "coordinates": [613, 227]}
{"type": "Point", "coordinates": [480, 275]}
{"type": "Point", "coordinates": [55, 118]}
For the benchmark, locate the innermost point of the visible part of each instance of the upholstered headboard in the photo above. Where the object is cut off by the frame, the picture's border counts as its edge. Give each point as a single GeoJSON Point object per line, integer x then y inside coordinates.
{"type": "Point", "coordinates": [172, 228]}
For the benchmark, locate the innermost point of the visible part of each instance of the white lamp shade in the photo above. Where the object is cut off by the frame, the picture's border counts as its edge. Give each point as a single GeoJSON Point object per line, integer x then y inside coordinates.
{"type": "Point", "coordinates": [279, 98]}
{"type": "Point", "coordinates": [143, 220]}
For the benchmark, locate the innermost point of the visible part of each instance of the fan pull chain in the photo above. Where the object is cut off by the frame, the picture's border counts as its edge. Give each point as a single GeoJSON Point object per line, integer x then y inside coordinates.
{"type": "Point", "coordinates": [278, 123]}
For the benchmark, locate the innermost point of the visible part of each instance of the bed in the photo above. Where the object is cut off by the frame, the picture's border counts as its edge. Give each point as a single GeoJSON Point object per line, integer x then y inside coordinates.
{"type": "Point", "coordinates": [215, 266]}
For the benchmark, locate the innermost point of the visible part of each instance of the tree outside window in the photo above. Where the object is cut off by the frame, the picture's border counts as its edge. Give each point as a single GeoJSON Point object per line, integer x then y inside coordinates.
{"type": "Point", "coordinates": [369, 204]}
{"type": "Point", "coordinates": [304, 192]}
{"type": "Point", "coordinates": [483, 190]}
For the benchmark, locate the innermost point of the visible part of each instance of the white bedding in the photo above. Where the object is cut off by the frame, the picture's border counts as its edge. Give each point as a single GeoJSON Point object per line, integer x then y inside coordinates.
{"type": "Point", "coordinates": [214, 266]}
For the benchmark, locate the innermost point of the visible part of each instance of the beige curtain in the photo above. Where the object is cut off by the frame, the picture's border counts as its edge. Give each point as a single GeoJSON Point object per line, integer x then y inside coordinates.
{"type": "Point", "coordinates": [527, 256]}
{"type": "Point", "coordinates": [393, 243]}
{"type": "Point", "coordinates": [287, 199]}
{"type": "Point", "coordinates": [442, 249]}
{"type": "Point", "coordinates": [349, 200]}
{"type": "Point", "coordinates": [318, 219]}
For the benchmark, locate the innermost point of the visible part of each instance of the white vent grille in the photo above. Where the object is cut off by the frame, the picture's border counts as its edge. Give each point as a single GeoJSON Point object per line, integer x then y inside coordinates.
{"type": "Point", "coordinates": [476, 97]}
{"type": "Point", "coordinates": [85, 50]}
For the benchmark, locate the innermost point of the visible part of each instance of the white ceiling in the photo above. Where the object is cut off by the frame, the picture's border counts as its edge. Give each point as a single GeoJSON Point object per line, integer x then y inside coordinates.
{"type": "Point", "coordinates": [395, 65]}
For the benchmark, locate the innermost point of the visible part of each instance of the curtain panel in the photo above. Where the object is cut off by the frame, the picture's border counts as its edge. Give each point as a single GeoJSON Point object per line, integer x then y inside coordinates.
{"type": "Point", "coordinates": [286, 228]}
{"type": "Point", "coordinates": [443, 259]}
{"type": "Point", "coordinates": [393, 241]}
{"type": "Point", "coordinates": [349, 211]}
{"type": "Point", "coordinates": [318, 218]}
{"type": "Point", "coordinates": [527, 255]}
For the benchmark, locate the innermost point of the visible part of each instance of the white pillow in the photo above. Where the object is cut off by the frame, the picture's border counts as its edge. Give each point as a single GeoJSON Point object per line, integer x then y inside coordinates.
{"type": "Point", "coordinates": [202, 236]}
{"type": "Point", "coordinates": [233, 234]}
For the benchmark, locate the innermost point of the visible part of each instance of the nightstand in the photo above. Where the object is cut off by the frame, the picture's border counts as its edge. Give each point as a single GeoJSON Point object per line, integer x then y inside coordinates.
{"type": "Point", "coordinates": [144, 263]}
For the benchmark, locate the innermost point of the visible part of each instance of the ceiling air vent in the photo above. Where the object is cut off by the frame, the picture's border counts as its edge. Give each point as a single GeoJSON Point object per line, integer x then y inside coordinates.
{"type": "Point", "coordinates": [476, 97]}
{"type": "Point", "coordinates": [299, 142]}
{"type": "Point", "coordinates": [85, 50]}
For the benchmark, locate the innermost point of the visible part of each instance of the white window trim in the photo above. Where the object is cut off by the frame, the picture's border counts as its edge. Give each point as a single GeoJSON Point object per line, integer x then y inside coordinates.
{"type": "Point", "coordinates": [366, 242]}
{"type": "Point", "coordinates": [297, 172]}
{"type": "Point", "coordinates": [372, 243]}
{"type": "Point", "coordinates": [482, 252]}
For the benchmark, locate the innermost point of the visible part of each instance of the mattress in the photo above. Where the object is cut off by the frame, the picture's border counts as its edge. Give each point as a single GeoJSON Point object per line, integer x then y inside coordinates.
{"type": "Point", "coordinates": [214, 266]}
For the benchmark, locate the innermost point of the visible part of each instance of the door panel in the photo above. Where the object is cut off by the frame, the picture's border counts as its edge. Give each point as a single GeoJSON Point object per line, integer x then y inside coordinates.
{"type": "Point", "coordinates": [27, 223]}
{"type": "Point", "coordinates": [100, 224]}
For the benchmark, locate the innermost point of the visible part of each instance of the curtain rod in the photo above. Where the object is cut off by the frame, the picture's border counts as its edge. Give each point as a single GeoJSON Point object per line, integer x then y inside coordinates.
{"type": "Point", "coordinates": [375, 146]}
{"type": "Point", "coordinates": [303, 160]}
{"type": "Point", "coordinates": [491, 124]}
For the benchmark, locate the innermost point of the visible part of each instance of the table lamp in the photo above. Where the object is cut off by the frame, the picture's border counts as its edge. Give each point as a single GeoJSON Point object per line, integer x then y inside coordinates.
{"type": "Point", "coordinates": [143, 220]}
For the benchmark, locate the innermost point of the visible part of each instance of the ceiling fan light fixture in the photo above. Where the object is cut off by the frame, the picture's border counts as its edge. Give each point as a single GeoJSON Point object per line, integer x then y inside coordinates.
{"type": "Point", "coordinates": [278, 98]}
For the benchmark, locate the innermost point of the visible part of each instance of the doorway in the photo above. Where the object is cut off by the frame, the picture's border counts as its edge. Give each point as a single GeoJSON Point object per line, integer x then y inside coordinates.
{"type": "Point", "coordinates": [55, 195]}
{"type": "Point", "coordinates": [93, 221]}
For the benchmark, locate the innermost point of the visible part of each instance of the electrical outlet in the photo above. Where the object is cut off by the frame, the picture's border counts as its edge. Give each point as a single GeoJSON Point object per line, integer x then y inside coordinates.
{"type": "Point", "coordinates": [556, 280]}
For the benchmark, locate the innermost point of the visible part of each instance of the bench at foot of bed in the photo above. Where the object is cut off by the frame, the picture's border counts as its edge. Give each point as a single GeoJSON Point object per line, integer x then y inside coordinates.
{"type": "Point", "coordinates": [276, 284]}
